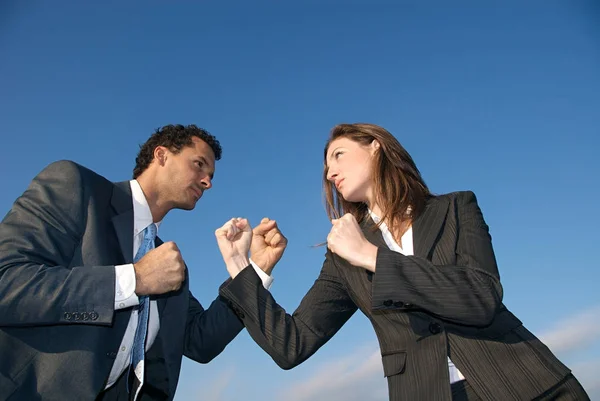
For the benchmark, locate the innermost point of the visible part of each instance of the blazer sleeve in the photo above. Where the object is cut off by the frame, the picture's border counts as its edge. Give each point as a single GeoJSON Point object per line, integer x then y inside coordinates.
{"type": "Point", "coordinates": [38, 238]}
{"type": "Point", "coordinates": [291, 339]}
{"type": "Point", "coordinates": [467, 293]}
{"type": "Point", "coordinates": [208, 331]}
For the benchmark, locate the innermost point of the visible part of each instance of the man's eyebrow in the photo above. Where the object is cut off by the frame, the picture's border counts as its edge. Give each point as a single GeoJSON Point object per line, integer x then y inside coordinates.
{"type": "Point", "coordinates": [203, 160]}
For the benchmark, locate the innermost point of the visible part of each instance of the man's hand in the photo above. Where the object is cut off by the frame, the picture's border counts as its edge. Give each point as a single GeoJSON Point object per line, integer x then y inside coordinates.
{"type": "Point", "coordinates": [234, 239]}
{"type": "Point", "coordinates": [268, 244]}
{"type": "Point", "coordinates": [159, 271]}
{"type": "Point", "coordinates": [347, 240]}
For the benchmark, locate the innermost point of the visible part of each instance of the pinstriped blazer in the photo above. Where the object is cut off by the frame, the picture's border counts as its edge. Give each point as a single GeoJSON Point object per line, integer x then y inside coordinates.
{"type": "Point", "coordinates": [445, 300]}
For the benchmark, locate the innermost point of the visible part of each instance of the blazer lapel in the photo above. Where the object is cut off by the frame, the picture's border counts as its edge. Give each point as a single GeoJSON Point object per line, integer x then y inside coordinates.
{"type": "Point", "coordinates": [426, 228]}
{"type": "Point", "coordinates": [123, 222]}
{"type": "Point", "coordinates": [372, 233]}
{"type": "Point", "coordinates": [161, 300]}
{"type": "Point", "coordinates": [374, 236]}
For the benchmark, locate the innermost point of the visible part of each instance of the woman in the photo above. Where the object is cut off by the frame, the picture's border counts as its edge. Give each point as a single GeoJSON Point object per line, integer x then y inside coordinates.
{"type": "Point", "coordinates": [422, 269]}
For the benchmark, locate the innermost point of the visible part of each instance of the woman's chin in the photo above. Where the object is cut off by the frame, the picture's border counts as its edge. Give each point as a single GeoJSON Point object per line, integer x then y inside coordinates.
{"type": "Point", "coordinates": [352, 197]}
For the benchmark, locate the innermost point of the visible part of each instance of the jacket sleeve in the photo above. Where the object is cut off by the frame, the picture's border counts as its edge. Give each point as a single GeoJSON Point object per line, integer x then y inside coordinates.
{"type": "Point", "coordinates": [291, 339]}
{"type": "Point", "coordinates": [467, 293]}
{"type": "Point", "coordinates": [208, 331]}
{"type": "Point", "coordinates": [38, 238]}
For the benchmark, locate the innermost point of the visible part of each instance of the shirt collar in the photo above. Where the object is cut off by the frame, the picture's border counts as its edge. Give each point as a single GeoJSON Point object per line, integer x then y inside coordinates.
{"type": "Point", "coordinates": [142, 216]}
{"type": "Point", "coordinates": [407, 239]}
{"type": "Point", "coordinates": [377, 218]}
{"type": "Point", "coordinates": [374, 216]}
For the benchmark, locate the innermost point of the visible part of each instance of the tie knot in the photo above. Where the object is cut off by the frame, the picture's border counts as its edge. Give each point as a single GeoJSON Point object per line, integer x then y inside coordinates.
{"type": "Point", "coordinates": [150, 232]}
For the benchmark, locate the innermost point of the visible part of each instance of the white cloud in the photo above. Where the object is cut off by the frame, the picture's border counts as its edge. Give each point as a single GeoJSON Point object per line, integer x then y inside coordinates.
{"type": "Point", "coordinates": [358, 376]}
{"type": "Point", "coordinates": [588, 375]}
{"type": "Point", "coordinates": [574, 333]}
{"type": "Point", "coordinates": [217, 390]}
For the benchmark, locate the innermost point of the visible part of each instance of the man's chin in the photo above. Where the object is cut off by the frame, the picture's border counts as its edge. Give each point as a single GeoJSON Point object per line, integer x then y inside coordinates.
{"type": "Point", "coordinates": [187, 205]}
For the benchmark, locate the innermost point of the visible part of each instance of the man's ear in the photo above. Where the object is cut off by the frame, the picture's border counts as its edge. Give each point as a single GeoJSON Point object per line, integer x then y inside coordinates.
{"type": "Point", "coordinates": [160, 155]}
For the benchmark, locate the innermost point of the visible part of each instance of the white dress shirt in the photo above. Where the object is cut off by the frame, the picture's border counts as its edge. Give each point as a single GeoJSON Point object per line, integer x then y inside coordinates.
{"type": "Point", "coordinates": [407, 249]}
{"type": "Point", "coordinates": [125, 296]}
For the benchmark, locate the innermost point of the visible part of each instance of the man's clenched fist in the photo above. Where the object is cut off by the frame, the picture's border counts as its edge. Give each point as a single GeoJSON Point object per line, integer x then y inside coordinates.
{"type": "Point", "coordinates": [159, 271]}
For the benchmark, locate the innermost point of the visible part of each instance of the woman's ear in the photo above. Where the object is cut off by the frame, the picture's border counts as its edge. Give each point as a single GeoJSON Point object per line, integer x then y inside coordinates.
{"type": "Point", "coordinates": [375, 146]}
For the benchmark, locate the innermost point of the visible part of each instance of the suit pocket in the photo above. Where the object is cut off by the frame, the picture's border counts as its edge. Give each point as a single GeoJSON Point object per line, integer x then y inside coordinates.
{"type": "Point", "coordinates": [7, 387]}
{"type": "Point", "coordinates": [393, 364]}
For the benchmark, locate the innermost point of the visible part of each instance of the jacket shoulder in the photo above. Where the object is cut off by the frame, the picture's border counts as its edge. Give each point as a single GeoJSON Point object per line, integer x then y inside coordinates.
{"type": "Point", "coordinates": [70, 171]}
{"type": "Point", "coordinates": [457, 196]}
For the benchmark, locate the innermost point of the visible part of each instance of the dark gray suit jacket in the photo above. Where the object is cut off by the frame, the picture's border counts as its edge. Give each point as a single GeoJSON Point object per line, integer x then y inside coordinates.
{"type": "Point", "coordinates": [444, 300]}
{"type": "Point", "coordinates": [59, 332]}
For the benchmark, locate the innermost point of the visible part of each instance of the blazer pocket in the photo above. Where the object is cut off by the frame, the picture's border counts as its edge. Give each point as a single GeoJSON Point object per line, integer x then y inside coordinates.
{"type": "Point", "coordinates": [393, 364]}
{"type": "Point", "coordinates": [7, 387]}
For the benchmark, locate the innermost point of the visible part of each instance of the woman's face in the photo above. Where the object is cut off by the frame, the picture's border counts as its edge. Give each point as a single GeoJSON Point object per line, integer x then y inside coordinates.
{"type": "Point", "coordinates": [349, 168]}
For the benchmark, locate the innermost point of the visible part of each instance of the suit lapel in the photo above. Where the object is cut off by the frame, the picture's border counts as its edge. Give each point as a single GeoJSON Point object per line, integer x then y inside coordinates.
{"type": "Point", "coordinates": [161, 300]}
{"type": "Point", "coordinates": [372, 234]}
{"type": "Point", "coordinates": [123, 221]}
{"type": "Point", "coordinates": [427, 226]}
{"type": "Point", "coordinates": [122, 203]}
{"type": "Point", "coordinates": [163, 354]}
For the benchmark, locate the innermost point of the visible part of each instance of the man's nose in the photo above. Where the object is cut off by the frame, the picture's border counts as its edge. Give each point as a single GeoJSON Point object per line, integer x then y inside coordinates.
{"type": "Point", "coordinates": [206, 182]}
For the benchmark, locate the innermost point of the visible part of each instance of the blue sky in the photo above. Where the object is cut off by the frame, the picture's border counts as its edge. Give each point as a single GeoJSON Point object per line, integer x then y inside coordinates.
{"type": "Point", "coordinates": [499, 99]}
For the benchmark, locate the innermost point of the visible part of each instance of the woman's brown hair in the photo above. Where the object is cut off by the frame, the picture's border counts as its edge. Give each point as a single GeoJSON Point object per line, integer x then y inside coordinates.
{"type": "Point", "coordinates": [399, 189]}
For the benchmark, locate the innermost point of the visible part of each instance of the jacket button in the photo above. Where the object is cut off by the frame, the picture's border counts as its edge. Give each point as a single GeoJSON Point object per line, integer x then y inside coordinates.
{"type": "Point", "coordinates": [435, 328]}
{"type": "Point", "coordinates": [76, 316]}
{"type": "Point", "coordinates": [94, 315]}
{"type": "Point", "coordinates": [399, 304]}
{"type": "Point", "coordinates": [239, 312]}
{"type": "Point", "coordinates": [388, 302]}
{"type": "Point", "coordinates": [408, 306]}
{"type": "Point", "coordinates": [85, 316]}
{"type": "Point", "coordinates": [67, 315]}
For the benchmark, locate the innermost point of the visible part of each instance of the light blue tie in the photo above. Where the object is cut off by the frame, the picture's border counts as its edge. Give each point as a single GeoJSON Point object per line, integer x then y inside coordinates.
{"type": "Point", "coordinates": [139, 340]}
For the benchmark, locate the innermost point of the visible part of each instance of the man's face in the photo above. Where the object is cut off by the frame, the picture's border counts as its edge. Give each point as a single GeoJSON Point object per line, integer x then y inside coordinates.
{"type": "Point", "coordinates": [188, 174]}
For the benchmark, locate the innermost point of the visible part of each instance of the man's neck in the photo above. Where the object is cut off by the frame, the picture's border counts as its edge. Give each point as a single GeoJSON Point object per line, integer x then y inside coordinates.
{"type": "Point", "coordinates": [158, 208]}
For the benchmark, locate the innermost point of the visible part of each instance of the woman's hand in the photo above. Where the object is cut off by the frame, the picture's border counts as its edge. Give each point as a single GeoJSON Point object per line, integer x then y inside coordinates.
{"type": "Point", "coordinates": [347, 241]}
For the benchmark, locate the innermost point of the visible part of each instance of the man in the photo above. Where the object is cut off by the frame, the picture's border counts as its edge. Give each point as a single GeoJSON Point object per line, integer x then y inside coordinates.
{"type": "Point", "coordinates": [88, 309]}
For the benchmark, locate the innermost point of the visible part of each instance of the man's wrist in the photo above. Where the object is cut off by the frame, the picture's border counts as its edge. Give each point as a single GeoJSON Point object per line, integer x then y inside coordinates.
{"type": "Point", "coordinates": [267, 279]}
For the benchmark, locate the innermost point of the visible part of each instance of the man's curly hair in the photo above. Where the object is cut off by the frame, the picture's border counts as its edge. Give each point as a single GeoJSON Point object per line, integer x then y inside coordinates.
{"type": "Point", "coordinates": [175, 138]}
